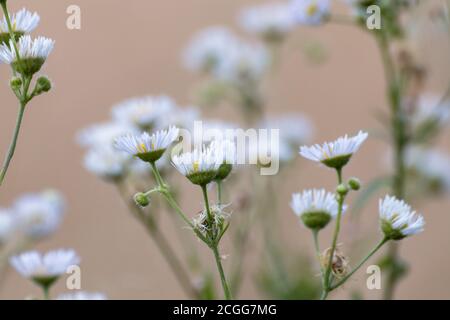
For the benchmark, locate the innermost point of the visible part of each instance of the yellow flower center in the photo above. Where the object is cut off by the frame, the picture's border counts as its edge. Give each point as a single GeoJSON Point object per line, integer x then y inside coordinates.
{"type": "Point", "coordinates": [142, 148]}
{"type": "Point", "coordinates": [196, 166]}
{"type": "Point", "coordinates": [312, 9]}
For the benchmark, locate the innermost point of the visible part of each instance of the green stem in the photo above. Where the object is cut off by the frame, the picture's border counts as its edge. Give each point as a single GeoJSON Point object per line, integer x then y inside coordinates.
{"type": "Point", "coordinates": [327, 274]}
{"type": "Point", "coordinates": [10, 29]}
{"type": "Point", "coordinates": [317, 248]}
{"type": "Point", "coordinates": [377, 247]}
{"type": "Point", "coordinates": [12, 147]}
{"type": "Point", "coordinates": [219, 191]}
{"type": "Point", "coordinates": [46, 290]}
{"type": "Point", "coordinates": [214, 245]}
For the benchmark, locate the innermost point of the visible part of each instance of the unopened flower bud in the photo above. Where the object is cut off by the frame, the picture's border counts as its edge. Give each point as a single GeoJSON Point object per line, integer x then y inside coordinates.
{"type": "Point", "coordinates": [342, 189]}
{"type": "Point", "coordinates": [354, 184]}
{"type": "Point", "coordinates": [15, 83]}
{"type": "Point", "coordinates": [43, 84]}
{"type": "Point", "coordinates": [141, 200]}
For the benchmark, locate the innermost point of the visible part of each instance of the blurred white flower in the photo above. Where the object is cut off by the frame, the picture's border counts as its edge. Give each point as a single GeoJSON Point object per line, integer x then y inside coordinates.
{"type": "Point", "coordinates": [106, 162]}
{"type": "Point", "coordinates": [82, 295]}
{"type": "Point", "coordinates": [220, 53]}
{"type": "Point", "coordinates": [272, 21]}
{"type": "Point", "coordinates": [183, 118]}
{"type": "Point", "coordinates": [7, 225]}
{"type": "Point", "coordinates": [431, 108]}
{"type": "Point", "coordinates": [22, 22]}
{"type": "Point", "coordinates": [144, 112]}
{"type": "Point", "coordinates": [104, 134]}
{"type": "Point", "coordinates": [398, 220]}
{"type": "Point", "coordinates": [148, 148]}
{"type": "Point", "coordinates": [35, 266]}
{"type": "Point", "coordinates": [310, 12]}
{"type": "Point", "coordinates": [335, 154]}
{"type": "Point", "coordinates": [39, 215]}
{"type": "Point", "coordinates": [434, 165]}
{"type": "Point", "coordinates": [315, 207]}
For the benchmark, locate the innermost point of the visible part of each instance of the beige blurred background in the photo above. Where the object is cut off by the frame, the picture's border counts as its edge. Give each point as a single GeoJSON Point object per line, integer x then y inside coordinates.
{"type": "Point", "coordinates": [128, 48]}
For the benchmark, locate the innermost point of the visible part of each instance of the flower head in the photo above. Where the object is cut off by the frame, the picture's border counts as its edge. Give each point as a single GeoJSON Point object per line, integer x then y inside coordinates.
{"type": "Point", "coordinates": [398, 220]}
{"type": "Point", "coordinates": [271, 21]}
{"type": "Point", "coordinates": [39, 215]}
{"type": "Point", "coordinates": [199, 166]}
{"type": "Point", "coordinates": [310, 12]}
{"type": "Point", "coordinates": [44, 269]}
{"type": "Point", "coordinates": [104, 134]}
{"type": "Point", "coordinates": [107, 163]}
{"type": "Point", "coordinates": [145, 113]}
{"type": "Point", "coordinates": [22, 22]}
{"type": "Point", "coordinates": [33, 54]}
{"type": "Point", "coordinates": [335, 154]}
{"type": "Point", "coordinates": [148, 148]}
{"type": "Point", "coordinates": [315, 207]}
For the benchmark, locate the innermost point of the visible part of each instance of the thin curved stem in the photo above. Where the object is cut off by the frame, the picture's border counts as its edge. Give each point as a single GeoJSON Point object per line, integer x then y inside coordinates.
{"type": "Point", "coordinates": [219, 192]}
{"type": "Point", "coordinates": [377, 247]}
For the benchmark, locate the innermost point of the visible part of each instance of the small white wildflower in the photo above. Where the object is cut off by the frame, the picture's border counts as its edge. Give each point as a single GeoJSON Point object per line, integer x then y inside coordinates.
{"type": "Point", "coordinates": [310, 12]}
{"type": "Point", "coordinates": [398, 220]}
{"type": "Point", "coordinates": [145, 113]}
{"type": "Point", "coordinates": [104, 134]}
{"type": "Point", "coordinates": [272, 21]}
{"type": "Point", "coordinates": [106, 162]}
{"type": "Point", "coordinates": [315, 207]}
{"type": "Point", "coordinates": [7, 225]}
{"type": "Point", "coordinates": [22, 22]}
{"type": "Point", "coordinates": [44, 268]}
{"type": "Point", "coordinates": [33, 54]}
{"type": "Point", "coordinates": [148, 148]}
{"type": "Point", "coordinates": [39, 215]}
{"type": "Point", "coordinates": [335, 154]}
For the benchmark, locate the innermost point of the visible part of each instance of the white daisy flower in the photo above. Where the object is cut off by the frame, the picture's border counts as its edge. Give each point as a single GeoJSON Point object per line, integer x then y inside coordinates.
{"type": "Point", "coordinates": [145, 113]}
{"type": "Point", "coordinates": [315, 207]}
{"type": "Point", "coordinates": [199, 166]}
{"type": "Point", "coordinates": [335, 154]}
{"type": "Point", "coordinates": [104, 134]}
{"type": "Point", "coordinates": [82, 295]}
{"type": "Point", "coordinates": [39, 215]}
{"type": "Point", "coordinates": [7, 225]}
{"type": "Point", "coordinates": [398, 220]}
{"type": "Point", "coordinates": [22, 22]}
{"type": "Point", "coordinates": [146, 147]}
{"type": "Point", "coordinates": [272, 21]}
{"type": "Point", "coordinates": [107, 163]}
{"type": "Point", "coordinates": [44, 269]}
{"type": "Point", "coordinates": [33, 54]}
{"type": "Point", "coordinates": [431, 164]}
{"type": "Point", "coordinates": [310, 12]}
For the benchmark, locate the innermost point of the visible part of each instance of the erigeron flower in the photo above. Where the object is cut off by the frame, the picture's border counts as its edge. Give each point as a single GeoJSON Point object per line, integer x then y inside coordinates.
{"type": "Point", "coordinates": [107, 163]}
{"type": "Point", "coordinates": [7, 225]}
{"type": "Point", "coordinates": [33, 54]}
{"type": "Point", "coordinates": [271, 21]}
{"type": "Point", "coordinates": [398, 220]}
{"type": "Point", "coordinates": [104, 134]}
{"type": "Point", "coordinates": [82, 295]}
{"type": "Point", "coordinates": [226, 150]}
{"type": "Point", "coordinates": [145, 112]}
{"type": "Point", "coordinates": [199, 166]}
{"type": "Point", "coordinates": [39, 215]}
{"type": "Point", "coordinates": [335, 154]}
{"type": "Point", "coordinates": [22, 22]}
{"type": "Point", "coordinates": [310, 12]}
{"type": "Point", "coordinates": [208, 49]}
{"type": "Point", "coordinates": [44, 269]}
{"type": "Point", "coordinates": [219, 217]}
{"type": "Point", "coordinates": [432, 165]}
{"type": "Point", "coordinates": [315, 207]}
{"type": "Point", "coordinates": [148, 148]}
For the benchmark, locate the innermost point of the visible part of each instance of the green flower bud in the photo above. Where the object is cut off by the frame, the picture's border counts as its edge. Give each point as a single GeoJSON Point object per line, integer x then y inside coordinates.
{"type": "Point", "coordinates": [354, 184]}
{"type": "Point", "coordinates": [15, 83]}
{"type": "Point", "coordinates": [342, 189]}
{"type": "Point", "coordinates": [224, 171]}
{"type": "Point", "coordinates": [141, 200]}
{"type": "Point", "coordinates": [43, 84]}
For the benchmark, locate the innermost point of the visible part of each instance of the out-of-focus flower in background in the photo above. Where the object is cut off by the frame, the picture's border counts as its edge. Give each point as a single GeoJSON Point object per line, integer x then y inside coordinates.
{"type": "Point", "coordinates": [310, 12]}
{"type": "Point", "coordinates": [22, 22]}
{"type": "Point", "coordinates": [82, 295]}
